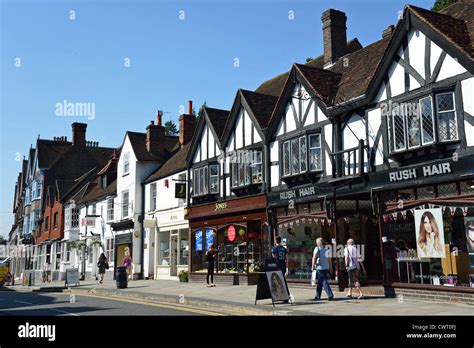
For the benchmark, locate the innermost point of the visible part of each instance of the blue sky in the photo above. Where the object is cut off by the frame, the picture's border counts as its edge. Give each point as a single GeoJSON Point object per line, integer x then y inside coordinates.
{"type": "Point", "coordinates": [172, 60]}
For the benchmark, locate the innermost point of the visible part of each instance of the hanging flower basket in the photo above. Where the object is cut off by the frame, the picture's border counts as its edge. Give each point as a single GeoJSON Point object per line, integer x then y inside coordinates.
{"type": "Point", "coordinates": [96, 242]}
{"type": "Point", "coordinates": [80, 245]}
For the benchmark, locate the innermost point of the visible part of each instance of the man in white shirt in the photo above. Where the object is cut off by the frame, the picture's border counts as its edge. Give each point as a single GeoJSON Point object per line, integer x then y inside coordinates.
{"type": "Point", "coordinates": [353, 265]}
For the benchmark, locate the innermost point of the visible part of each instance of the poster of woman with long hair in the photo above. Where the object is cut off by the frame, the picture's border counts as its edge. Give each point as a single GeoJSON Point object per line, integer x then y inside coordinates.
{"type": "Point", "coordinates": [429, 233]}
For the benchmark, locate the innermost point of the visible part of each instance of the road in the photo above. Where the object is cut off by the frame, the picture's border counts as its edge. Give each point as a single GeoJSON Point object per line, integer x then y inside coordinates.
{"type": "Point", "coordinates": [60, 304]}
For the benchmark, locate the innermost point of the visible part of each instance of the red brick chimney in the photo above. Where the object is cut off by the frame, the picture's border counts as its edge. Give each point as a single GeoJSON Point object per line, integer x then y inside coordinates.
{"type": "Point", "coordinates": [155, 136]}
{"type": "Point", "coordinates": [334, 35]}
{"type": "Point", "coordinates": [79, 134]}
{"type": "Point", "coordinates": [187, 123]}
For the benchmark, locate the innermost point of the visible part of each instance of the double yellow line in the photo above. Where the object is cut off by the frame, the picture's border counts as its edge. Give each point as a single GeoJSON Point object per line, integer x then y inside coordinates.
{"type": "Point", "coordinates": [152, 304]}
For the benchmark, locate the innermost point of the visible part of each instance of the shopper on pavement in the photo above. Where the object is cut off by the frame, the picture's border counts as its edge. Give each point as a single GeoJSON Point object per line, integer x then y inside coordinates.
{"type": "Point", "coordinates": [103, 264]}
{"type": "Point", "coordinates": [353, 266]}
{"type": "Point", "coordinates": [210, 258]}
{"type": "Point", "coordinates": [280, 254]}
{"type": "Point", "coordinates": [127, 262]}
{"type": "Point", "coordinates": [322, 264]}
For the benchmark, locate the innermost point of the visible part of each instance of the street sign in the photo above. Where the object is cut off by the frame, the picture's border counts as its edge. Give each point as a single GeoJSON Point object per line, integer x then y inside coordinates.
{"type": "Point", "coordinates": [180, 190]}
{"type": "Point", "coordinates": [88, 221]}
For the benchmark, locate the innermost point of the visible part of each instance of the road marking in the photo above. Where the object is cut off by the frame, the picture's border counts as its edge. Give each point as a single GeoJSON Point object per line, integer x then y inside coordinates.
{"type": "Point", "coordinates": [152, 304]}
{"type": "Point", "coordinates": [60, 311]}
{"type": "Point", "coordinates": [23, 302]}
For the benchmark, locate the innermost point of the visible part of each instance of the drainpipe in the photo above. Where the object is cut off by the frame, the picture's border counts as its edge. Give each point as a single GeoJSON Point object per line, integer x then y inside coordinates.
{"type": "Point", "coordinates": [142, 238]}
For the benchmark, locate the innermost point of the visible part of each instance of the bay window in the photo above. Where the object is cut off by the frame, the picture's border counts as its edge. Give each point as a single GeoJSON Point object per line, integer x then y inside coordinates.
{"type": "Point", "coordinates": [247, 169]}
{"type": "Point", "coordinates": [299, 151]}
{"type": "Point", "coordinates": [415, 123]}
{"type": "Point", "coordinates": [447, 125]}
{"type": "Point", "coordinates": [206, 180]}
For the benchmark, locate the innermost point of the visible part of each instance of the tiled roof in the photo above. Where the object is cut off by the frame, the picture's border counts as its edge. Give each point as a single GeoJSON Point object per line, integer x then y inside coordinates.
{"type": "Point", "coordinates": [262, 106]}
{"type": "Point", "coordinates": [49, 151]}
{"type": "Point", "coordinates": [275, 85]}
{"type": "Point", "coordinates": [323, 82]}
{"type": "Point", "coordinates": [176, 163]}
{"type": "Point", "coordinates": [218, 120]}
{"type": "Point", "coordinates": [456, 23]}
{"type": "Point", "coordinates": [358, 67]}
{"type": "Point", "coordinates": [138, 141]}
{"type": "Point", "coordinates": [95, 191]}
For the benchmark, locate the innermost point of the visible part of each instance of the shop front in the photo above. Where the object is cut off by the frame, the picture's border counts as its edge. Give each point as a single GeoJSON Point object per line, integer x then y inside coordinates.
{"type": "Point", "coordinates": [238, 230]}
{"type": "Point", "coordinates": [172, 239]}
{"type": "Point", "coordinates": [302, 214]}
{"type": "Point", "coordinates": [123, 242]}
{"type": "Point", "coordinates": [427, 229]}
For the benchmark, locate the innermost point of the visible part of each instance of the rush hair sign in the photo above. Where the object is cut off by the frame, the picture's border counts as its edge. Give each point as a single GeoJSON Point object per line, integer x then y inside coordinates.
{"type": "Point", "coordinates": [425, 171]}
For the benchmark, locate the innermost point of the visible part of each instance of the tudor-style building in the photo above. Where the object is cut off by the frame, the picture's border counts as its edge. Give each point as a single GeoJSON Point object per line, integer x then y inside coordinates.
{"type": "Point", "coordinates": [227, 167]}
{"type": "Point", "coordinates": [399, 116]}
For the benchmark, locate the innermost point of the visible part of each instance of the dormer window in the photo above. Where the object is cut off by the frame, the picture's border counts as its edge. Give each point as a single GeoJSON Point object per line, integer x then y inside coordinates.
{"type": "Point", "coordinates": [103, 180]}
{"type": "Point", "coordinates": [416, 123]}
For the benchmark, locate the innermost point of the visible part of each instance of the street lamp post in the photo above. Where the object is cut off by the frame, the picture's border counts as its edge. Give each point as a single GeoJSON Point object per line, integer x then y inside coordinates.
{"type": "Point", "coordinates": [83, 273]}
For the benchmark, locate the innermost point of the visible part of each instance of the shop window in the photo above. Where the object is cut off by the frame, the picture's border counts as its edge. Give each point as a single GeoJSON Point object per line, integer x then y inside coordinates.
{"type": "Point", "coordinates": [254, 240]}
{"type": "Point", "coordinates": [183, 247]}
{"type": "Point", "coordinates": [303, 209]}
{"type": "Point", "coordinates": [292, 209]}
{"type": "Point", "coordinates": [298, 237]}
{"type": "Point", "coordinates": [365, 204]}
{"type": "Point", "coordinates": [164, 238]}
{"type": "Point", "coordinates": [200, 242]}
{"type": "Point", "coordinates": [447, 190]}
{"type": "Point", "coordinates": [231, 240]}
{"type": "Point", "coordinates": [425, 192]}
{"type": "Point", "coordinates": [467, 187]}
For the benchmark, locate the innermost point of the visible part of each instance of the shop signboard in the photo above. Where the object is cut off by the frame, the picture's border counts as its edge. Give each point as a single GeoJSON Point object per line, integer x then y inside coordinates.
{"type": "Point", "coordinates": [429, 233]}
{"type": "Point", "coordinates": [198, 236]}
{"type": "Point", "coordinates": [180, 190]}
{"type": "Point", "coordinates": [272, 284]}
{"type": "Point", "coordinates": [72, 277]}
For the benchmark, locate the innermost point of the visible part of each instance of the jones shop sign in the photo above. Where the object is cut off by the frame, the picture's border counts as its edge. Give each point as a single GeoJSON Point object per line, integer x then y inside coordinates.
{"type": "Point", "coordinates": [425, 171]}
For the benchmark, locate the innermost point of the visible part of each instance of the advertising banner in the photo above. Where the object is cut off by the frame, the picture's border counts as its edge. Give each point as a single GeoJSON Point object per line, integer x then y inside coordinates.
{"type": "Point", "coordinates": [198, 240]}
{"type": "Point", "coordinates": [429, 233]}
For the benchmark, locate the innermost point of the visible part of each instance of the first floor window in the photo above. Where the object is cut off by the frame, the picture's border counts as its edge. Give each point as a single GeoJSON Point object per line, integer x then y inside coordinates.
{"type": "Point", "coordinates": [153, 197]}
{"type": "Point", "coordinates": [110, 209]}
{"type": "Point", "coordinates": [315, 162]}
{"type": "Point", "coordinates": [286, 158]}
{"type": "Point", "coordinates": [125, 203]}
{"type": "Point", "coordinates": [206, 180]}
{"type": "Point", "coordinates": [447, 125]}
{"type": "Point", "coordinates": [214, 178]}
{"type": "Point", "coordinates": [257, 167]}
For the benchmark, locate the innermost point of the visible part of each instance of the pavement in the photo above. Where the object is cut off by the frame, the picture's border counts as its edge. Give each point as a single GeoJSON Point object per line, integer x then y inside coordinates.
{"type": "Point", "coordinates": [240, 299]}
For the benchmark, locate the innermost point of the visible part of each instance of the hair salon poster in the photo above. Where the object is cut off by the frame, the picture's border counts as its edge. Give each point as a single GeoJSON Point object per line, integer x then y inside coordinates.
{"type": "Point", "coordinates": [469, 226]}
{"type": "Point", "coordinates": [429, 233]}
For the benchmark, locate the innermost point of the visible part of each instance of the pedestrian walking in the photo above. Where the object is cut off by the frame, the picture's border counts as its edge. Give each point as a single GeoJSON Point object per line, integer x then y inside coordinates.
{"type": "Point", "coordinates": [321, 262]}
{"type": "Point", "coordinates": [46, 271]}
{"type": "Point", "coordinates": [353, 265]}
{"type": "Point", "coordinates": [280, 254]}
{"type": "Point", "coordinates": [210, 258]}
{"type": "Point", "coordinates": [103, 265]}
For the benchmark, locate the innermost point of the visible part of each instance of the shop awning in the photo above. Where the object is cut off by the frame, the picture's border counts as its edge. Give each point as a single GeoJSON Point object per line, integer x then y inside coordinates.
{"type": "Point", "coordinates": [122, 225]}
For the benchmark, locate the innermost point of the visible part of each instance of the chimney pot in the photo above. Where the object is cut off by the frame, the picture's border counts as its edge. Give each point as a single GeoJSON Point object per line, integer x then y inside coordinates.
{"type": "Point", "coordinates": [334, 35]}
{"type": "Point", "coordinates": [155, 136]}
{"type": "Point", "coordinates": [190, 107]}
{"type": "Point", "coordinates": [159, 116]}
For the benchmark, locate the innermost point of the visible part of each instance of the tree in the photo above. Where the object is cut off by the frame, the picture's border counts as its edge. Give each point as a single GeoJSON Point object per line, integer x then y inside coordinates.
{"type": "Point", "coordinates": [170, 128]}
{"type": "Point", "coordinates": [309, 59]}
{"type": "Point", "coordinates": [200, 109]}
{"type": "Point", "coordinates": [442, 4]}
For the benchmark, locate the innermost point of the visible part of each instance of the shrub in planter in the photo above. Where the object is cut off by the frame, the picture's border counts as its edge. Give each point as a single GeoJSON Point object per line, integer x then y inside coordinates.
{"type": "Point", "coordinates": [183, 276]}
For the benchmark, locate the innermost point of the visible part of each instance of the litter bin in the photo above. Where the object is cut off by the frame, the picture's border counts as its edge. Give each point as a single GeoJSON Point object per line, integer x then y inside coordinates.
{"type": "Point", "coordinates": [121, 277]}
